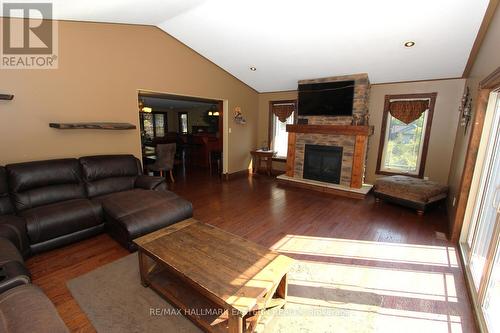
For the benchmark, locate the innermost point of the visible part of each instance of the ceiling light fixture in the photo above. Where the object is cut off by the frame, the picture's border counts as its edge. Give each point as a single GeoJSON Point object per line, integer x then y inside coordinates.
{"type": "Point", "coordinates": [409, 43]}
{"type": "Point", "coordinates": [253, 69]}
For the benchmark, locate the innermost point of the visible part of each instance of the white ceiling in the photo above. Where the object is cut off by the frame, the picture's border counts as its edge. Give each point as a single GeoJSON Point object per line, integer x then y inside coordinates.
{"type": "Point", "coordinates": [289, 40]}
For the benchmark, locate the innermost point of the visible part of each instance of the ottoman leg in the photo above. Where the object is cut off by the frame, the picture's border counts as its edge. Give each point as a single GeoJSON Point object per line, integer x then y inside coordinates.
{"type": "Point", "coordinates": [420, 212]}
{"type": "Point", "coordinates": [377, 200]}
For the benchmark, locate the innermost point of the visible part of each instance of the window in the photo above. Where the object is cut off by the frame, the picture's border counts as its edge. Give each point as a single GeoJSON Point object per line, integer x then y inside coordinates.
{"type": "Point", "coordinates": [405, 134]}
{"type": "Point", "coordinates": [153, 125]}
{"type": "Point", "coordinates": [481, 241]}
{"type": "Point", "coordinates": [281, 114]}
{"type": "Point", "coordinates": [183, 122]}
{"type": "Point", "coordinates": [159, 120]}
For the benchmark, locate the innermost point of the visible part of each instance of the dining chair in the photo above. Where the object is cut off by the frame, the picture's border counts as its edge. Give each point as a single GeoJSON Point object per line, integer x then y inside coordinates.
{"type": "Point", "coordinates": [165, 157]}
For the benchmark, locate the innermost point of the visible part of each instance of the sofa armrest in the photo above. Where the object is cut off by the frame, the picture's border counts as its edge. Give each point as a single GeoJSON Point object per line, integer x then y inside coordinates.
{"type": "Point", "coordinates": [13, 274]}
{"type": "Point", "coordinates": [14, 229]}
{"type": "Point", "coordinates": [151, 183]}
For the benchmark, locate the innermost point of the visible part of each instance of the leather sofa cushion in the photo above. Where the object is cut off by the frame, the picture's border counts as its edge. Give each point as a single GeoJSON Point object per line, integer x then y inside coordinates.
{"type": "Point", "coordinates": [27, 309]}
{"type": "Point", "coordinates": [39, 183]}
{"type": "Point", "coordinates": [13, 228]}
{"type": "Point", "coordinates": [109, 185]}
{"type": "Point", "coordinates": [151, 183]}
{"type": "Point", "coordinates": [5, 204]}
{"type": "Point", "coordinates": [109, 173]}
{"type": "Point", "coordinates": [62, 218]}
{"type": "Point", "coordinates": [140, 211]}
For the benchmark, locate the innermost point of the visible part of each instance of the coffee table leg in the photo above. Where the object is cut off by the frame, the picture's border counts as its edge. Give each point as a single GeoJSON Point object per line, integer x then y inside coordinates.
{"type": "Point", "coordinates": [282, 289]}
{"type": "Point", "coordinates": [143, 268]}
{"type": "Point", "coordinates": [235, 324]}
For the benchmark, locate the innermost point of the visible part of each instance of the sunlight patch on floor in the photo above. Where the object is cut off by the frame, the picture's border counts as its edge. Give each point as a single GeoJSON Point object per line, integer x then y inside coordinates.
{"type": "Point", "coordinates": [367, 250]}
{"type": "Point", "coordinates": [369, 295]}
{"type": "Point", "coordinates": [374, 280]}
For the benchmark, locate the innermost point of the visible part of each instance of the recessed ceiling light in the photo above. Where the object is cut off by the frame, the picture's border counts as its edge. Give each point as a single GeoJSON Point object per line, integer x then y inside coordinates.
{"type": "Point", "coordinates": [409, 43]}
{"type": "Point", "coordinates": [253, 69]}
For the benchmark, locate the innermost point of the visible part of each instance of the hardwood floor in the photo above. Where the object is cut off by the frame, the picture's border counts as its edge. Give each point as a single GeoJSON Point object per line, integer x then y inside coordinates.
{"type": "Point", "coordinates": [382, 243]}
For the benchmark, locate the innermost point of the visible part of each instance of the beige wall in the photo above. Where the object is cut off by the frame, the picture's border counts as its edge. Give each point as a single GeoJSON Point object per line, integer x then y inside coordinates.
{"type": "Point", "coordinates": [444, 123]}
{"type": "Point", "coordinates": [101, 67]}
{"type": "Point", "coordinates": [487, 60]}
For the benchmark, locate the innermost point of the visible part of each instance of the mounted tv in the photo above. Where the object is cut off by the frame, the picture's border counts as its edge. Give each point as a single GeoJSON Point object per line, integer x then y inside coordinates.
{"type": "Point", "coordinates": [326, 99]}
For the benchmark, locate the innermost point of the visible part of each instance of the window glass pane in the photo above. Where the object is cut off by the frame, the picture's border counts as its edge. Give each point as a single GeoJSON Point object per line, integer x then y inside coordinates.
{"type": "Point", "coordinates": [184, 123]}
{"type": "Point", "coordinates": [160, 124]}
{"type": "Point", "coordinates": [147, 120]}
{"type": "Point", "coordinates": [491, 306]}
{"type": "Point", "coordinates": [403, 145]}
{"type": "Point", "coordinates": [280, 142]}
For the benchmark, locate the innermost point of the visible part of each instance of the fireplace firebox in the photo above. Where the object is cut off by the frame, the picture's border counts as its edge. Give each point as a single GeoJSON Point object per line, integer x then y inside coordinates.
{"type": "Point", "coordinates": [323, 163]}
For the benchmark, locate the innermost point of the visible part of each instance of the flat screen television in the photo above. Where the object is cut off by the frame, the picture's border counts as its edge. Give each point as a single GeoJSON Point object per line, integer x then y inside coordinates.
{"type": "Point", "coordinates": [326, 99]}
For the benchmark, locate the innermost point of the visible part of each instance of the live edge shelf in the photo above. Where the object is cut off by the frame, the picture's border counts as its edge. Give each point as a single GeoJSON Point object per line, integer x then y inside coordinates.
{"type": "Point", "coordinates": [99, 125]}
{"type": "Point", "coordinates": [6, 97]}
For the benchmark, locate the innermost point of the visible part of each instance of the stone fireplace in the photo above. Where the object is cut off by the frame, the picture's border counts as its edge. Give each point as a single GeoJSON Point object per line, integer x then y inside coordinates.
{"type": "Point", "coordinates": [329, 153]}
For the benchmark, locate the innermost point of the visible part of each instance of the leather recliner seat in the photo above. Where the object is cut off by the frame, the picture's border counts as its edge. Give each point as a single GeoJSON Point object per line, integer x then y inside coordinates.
{"type": "Point", "coordinates": [12, 227]}
{"type": "Point", "coordinates": [51, 198]}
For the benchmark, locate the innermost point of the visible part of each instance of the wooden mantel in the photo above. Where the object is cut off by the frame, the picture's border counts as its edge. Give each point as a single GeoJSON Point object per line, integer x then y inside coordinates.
{"type": "Point", "coordinates": [331, 129]}
{"type": "Point", "coordinates": [361, 134]}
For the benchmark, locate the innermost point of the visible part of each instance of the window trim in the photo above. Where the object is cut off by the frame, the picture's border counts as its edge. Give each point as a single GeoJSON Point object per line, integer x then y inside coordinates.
{"type": "Point", "coordinates": [270, 125]}
{"type": "Point", "coordinates": [428, 126]}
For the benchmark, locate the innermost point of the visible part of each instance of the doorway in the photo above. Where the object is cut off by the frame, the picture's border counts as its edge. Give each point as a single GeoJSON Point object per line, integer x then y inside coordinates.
{"type": "Point", "coordinates": [194, 126]}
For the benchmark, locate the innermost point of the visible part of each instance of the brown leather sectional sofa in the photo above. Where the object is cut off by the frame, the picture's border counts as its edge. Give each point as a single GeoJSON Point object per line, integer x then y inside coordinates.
{"type": "Point", "coordinates": [47, 204]}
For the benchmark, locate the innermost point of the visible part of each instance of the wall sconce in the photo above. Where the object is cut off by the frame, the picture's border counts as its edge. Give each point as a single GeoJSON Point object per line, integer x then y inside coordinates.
{"type": "Point", "coordinates": [465, 109]}
{"type": "Point", "coordinates": [238, 116]}
{"type": "Point", "coordinates": [143, 108]}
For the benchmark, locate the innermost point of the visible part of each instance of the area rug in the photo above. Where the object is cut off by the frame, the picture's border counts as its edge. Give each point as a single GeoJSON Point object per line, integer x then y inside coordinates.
{"type": "Point", "coordinates": [322, 297]}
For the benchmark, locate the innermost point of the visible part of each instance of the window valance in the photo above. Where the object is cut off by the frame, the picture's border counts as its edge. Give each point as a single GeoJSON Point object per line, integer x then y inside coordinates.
{"type": "Point", "coordinates": [408, 111]}
{"type": "Point", "coordinates": [283, 110]}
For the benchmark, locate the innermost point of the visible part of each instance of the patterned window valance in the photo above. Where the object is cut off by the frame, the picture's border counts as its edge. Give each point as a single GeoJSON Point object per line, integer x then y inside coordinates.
{"type": "Point", "coordinates": [408, 111]}
{"type": "Point", "coordinates": [283, 110]}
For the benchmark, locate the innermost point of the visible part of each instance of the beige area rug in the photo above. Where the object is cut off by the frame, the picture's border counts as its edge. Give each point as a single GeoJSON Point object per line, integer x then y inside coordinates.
{"type": "Point", "coordinates": [322, 298]}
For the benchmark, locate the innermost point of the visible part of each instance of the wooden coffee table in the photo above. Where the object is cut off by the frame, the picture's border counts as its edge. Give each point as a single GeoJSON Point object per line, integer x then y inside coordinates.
{"type": "Point", "coordinates": [220, 281]}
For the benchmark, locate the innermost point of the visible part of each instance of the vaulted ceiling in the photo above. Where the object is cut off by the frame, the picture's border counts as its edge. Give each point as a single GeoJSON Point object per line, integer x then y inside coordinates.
{"type": "Point", "coordinates": [289, 40]}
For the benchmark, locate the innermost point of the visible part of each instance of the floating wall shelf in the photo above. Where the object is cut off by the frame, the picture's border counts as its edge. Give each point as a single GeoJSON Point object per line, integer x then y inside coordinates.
{"type": "Point", "coordinates": [6, 97]}
{"type": "Point", "coordinates": [100, 125]}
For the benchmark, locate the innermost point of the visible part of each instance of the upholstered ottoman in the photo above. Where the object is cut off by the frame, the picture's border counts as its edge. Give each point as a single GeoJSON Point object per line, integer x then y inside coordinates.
{"type": "Point", "coordinates": [411, 192]}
